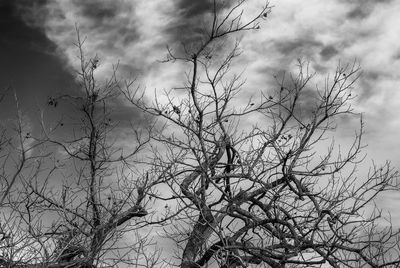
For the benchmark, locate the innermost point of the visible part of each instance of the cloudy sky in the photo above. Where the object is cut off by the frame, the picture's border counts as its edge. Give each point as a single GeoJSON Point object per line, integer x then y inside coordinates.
{"type": "Point", "coordinates": [37, 55]}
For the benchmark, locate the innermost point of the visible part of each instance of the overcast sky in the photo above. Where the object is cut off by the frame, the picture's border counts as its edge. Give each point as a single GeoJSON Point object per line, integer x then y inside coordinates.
{"type": "Point", "coordinates": [37, 54]}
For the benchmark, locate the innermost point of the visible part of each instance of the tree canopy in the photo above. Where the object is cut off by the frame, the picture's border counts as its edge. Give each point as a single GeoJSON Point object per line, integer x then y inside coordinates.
{"type": "Point", "coordinates": [229, 180]}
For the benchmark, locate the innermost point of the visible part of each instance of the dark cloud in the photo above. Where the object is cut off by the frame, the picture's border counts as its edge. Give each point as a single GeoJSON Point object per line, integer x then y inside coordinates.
{"type": "Point", "coordinates": [98, 11]}
{"type": "Point", "coordinates": [287, 51]}
{"type": "Point", "coordinates": [328, 52]}
{"type": "Point", "coordinates": [362, 9]}
{"type": "Point", "coordinates": [111, 17]}
{"type": "Point", "coordinates": [192, 9]}
{"type": "Point", "coordinates": [396, 55]}
{"type": "Point", "coordinates": [303, 46]}
{"type": "Point", "coordinates": [359, 12]}
{"type": "Point", "coordinates": [191, 23]}
{"type": "Point", "coordinates": [320, 68]}
{"type": "Point", "coordinates": [308, 98]}
{"type": "Point", "coordinates": [367, 84]}
{"type": "Point", "coordinates": [307, 103]}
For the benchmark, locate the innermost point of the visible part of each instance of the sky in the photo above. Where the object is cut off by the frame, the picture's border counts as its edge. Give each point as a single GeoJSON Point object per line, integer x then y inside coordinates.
{"type": "Point", "coordinates": [38, 56]}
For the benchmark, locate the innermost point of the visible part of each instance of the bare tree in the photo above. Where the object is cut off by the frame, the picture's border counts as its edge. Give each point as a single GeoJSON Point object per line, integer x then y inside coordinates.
{"type": "Point", "coordinates": [265, 193]}
{"type": "Point", "coordinates": [73, 206]}
{"type": "Point", "coordinates": [15, 149]}
{"type": "Point", "coordinates": [272, 193]}
{"type": "Point", "coordinates": [16, 158]}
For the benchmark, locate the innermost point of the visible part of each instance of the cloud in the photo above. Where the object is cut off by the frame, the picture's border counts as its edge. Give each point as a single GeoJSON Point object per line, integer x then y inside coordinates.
{"type": "Point", "coordinates": [111, 20]}
{"type": "Point", "coordinates": [110, 30]}
{"type": "Point", "coordinates": [303, 45]}
{"type": "Point", "coordinates": [368, 83]}
{"type": "Point", "coordinates": [322, 32]}
{"type": "Point", "coordinates": [328, 52]}
{"type": "Point", "coordinates": [361, 9]}
{"type": "Point", "coordinates": [188, 24]}
{"type": "Point", "coordinates": [136, 34]}
{"type": "Point", "coordinates": [100, 12]}
{"type": "Point", "coordinates": [191, 22]}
